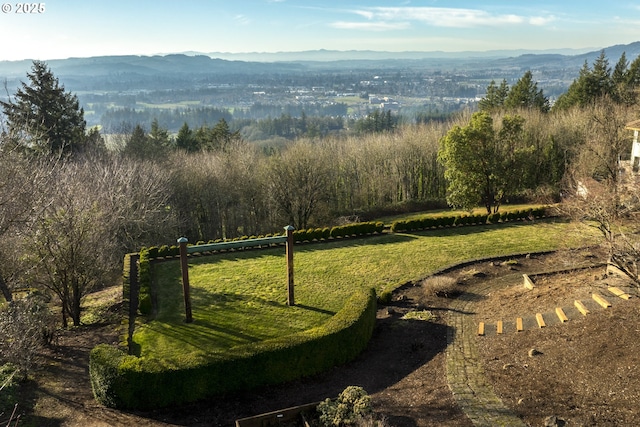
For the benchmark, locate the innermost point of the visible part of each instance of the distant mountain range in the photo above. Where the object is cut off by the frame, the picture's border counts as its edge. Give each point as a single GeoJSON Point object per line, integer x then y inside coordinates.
{"type": "Point", "coordinates": [198, 64]}
{"type": "Point", "coordinates": [351, 55]}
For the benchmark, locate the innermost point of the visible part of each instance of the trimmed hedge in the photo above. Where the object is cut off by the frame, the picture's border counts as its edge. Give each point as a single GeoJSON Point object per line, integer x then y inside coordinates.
{"type": "Point", "coordinates": [144, 280]}
{"type": "Point", "coordinates": [123, 381]}
{"type": "Point", "coordinates": [339, 231]}
{"type": "Point", "coordinates": [429, 222]}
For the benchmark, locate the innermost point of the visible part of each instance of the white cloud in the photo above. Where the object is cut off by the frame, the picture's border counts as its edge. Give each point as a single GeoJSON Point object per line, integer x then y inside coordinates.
{"type": "Point", "coordinates": [541, 20]}
{"type": "Point", "coordinates": [242, 19]}
{"type": "Point", "coordinates": [440, 17]}
{"type": "Point", "coordinates": [371, 26]}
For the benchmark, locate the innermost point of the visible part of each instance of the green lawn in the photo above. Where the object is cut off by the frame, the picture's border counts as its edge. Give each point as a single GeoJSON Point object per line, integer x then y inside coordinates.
{"type": "Point", "coordinates": [240, 297]}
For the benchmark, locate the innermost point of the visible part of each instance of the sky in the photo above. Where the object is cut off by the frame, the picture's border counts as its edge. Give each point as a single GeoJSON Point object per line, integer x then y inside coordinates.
{"type": "Point", "coordinates": [60, 29]}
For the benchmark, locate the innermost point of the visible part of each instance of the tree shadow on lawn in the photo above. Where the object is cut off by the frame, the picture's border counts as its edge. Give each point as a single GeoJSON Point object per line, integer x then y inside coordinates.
{"type": "Point", "coordinates": [225, 320]}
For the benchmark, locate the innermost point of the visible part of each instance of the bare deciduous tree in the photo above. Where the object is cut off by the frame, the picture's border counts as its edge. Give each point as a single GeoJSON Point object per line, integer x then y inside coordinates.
{"type": "Point", "coordinates": [98, 209]}
{"type": "Point", "coordinates": [600, 191]}
{"type": "Point", "coordinates": [22, 196]}
{"type": "Point", "coordinates": [25, 326]}
{"type": "Point", "coordinates": [298, 183]}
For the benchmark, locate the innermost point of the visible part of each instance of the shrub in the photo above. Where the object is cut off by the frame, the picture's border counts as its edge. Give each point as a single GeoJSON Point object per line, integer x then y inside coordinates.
{"type": "Point", "coordinates": [462, 220]}
{"type": "Point", "coordinates": [494, 218]}
{"type": "Point", "coordinates": [163, 251]}
{"type": "Point", "coordinates": [326, 233]}
{"type": "Point", "coordinates": [480, 219]}
{"type": "Point", "coordinates": [398, 226]}
{"type": "Point", "coordinates": [447, 221]}
{"type": "Point", "coordinates": [351, 405]}
{"type": "Point", "coordinates": [441, 286]}
{"type": "Point", "coordinates": [153, 252]}
{"type": "Point", "coordinates": [385, 297]}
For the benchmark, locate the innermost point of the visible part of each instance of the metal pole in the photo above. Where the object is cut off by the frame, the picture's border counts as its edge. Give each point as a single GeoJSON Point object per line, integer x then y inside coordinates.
{"type": "Point", "coordinates": [184, 266]}
{"type": "Point", "coordinates": [290, 297]}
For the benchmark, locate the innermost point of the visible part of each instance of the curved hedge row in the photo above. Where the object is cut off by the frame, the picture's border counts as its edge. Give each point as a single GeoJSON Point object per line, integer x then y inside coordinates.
{"type": "Point", "coordinates": [123, 381]}
{"type": "Point", "coordinates": [428, 222]}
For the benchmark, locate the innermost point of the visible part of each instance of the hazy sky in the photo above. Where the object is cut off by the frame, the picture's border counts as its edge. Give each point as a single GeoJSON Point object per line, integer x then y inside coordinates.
{"type": "Point", "coordinates": [83, 28]}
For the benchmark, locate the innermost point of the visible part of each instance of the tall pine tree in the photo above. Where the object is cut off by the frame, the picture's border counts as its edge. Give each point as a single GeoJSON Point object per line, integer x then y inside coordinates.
{"type": "Point", "coordinates": [43, 117]}
{"type": "Point", "coordinates": [525, 94]}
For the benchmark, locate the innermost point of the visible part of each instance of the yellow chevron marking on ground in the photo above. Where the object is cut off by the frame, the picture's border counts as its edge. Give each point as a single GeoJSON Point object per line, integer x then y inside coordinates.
{"type": "Point", "coordinates": [540, 320]}
{"type": "Point", "coordinates": [600, 300]}
{"type": "Point", "coordinates": [581, 308]}
{"type": "Point", "coordinates": [560, 313]}
{"type": "Point", "coordinates": [619, 292]}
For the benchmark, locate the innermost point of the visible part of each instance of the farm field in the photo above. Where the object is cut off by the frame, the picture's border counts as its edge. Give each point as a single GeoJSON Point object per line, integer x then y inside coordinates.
{"type": "Point", "coordinates": [240, 297]}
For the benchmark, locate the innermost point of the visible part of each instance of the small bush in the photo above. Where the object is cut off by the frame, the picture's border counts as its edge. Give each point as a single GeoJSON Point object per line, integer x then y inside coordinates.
{"type": "Point", "coordinates": [441, 286]}
{"type": "Point", "coordinates": [398, 226]}
{"type": "Point", "coordinates": [162, 251]}
{"type": "Point", "coordinates": [447, 221]}
{"type": "Point", "coordinates": [352, 405]}
{"type": "Point", "coordinates": [326, 233]}
{"type": "Point", "coordinates": [384, 298]}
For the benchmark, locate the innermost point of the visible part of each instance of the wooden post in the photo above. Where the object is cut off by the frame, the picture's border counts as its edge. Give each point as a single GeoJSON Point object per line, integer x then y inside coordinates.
{"type": "Point", "coordinates": [184, 266]}
{"type": "Point", "coordinates": [290, 297]}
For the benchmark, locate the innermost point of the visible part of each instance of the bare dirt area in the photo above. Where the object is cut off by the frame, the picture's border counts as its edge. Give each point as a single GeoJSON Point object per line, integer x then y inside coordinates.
{"type": "Point", "coordinates": [584, 371]}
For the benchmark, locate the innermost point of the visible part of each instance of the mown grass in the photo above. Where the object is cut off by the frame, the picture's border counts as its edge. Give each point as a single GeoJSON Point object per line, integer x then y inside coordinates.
{"type": "Point", "coordinates": [240, 297]}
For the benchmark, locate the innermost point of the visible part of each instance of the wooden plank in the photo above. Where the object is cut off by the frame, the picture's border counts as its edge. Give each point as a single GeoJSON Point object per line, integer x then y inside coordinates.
{"type": "Point", "coordinates": [481, 328]}
{"type": "Point", "coordinates": [619, 292]}
{"type": "Point", "coordinates": [600, 300]}
{"type": "Point", "coordinates": [277, 417]}
{"type": "Point", "coordinates": [528, 283]}
{"type": "Point", "coordinates": [540, 320]}
{"type": "Point", "coordinates": [581, 308]}
{"type": "Point", "coordinates": [519, 326]}
{"type": "Point", "coordinates": [561, 315]}
{"type": "Point", "coordinates": [499, 327]}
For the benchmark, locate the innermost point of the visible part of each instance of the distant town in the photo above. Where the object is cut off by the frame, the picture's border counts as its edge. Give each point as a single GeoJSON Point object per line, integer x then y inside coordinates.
{"type": "Point", "coordinates": [119, 92]}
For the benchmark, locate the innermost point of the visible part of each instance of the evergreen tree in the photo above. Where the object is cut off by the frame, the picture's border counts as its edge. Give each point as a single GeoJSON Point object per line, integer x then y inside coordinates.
{"type": "Point", "coordinates": [599, 82]}
{"type": "Point", "coordinates": [591, 84]}
{"type": "Point", "coordinates": [186, 140]}
{"type": "Point", "coordinates": [158, 136]}
{"type": "Point", "coordinates": [43, 116]}
{"type": "Point", "coordinates": [495, 98]}
{"type": "Point", "coordinates": [137, 145]}
{"type": "Point", "coordinates": [525, 94]}
{"type": "Point", "coordinates": [631, 83]}
{"type": "Point", "coordinates": [619, 79]}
